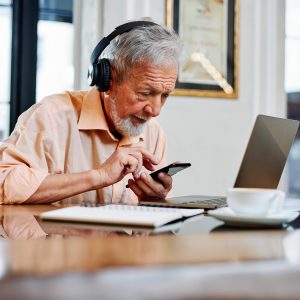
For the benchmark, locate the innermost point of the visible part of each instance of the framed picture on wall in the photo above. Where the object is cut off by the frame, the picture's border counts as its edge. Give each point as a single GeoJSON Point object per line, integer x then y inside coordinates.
{"type": "Point", "coordinates": [209, 30]}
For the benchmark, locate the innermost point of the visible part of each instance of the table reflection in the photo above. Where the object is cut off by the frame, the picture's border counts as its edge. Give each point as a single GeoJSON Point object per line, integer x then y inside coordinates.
{"type": "Point", "coordinates": [23, 223]}
{"type": "Point", "coordinates": [199, 224]}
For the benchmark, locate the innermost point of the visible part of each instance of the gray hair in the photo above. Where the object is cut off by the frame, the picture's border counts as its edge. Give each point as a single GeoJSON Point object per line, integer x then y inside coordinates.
{"type": "Point", "coordinates": [156, 45]}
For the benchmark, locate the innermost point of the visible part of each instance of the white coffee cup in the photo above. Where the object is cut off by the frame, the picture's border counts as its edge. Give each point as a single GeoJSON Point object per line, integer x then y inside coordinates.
{"type": "Point", "coordinates": [255, 201]}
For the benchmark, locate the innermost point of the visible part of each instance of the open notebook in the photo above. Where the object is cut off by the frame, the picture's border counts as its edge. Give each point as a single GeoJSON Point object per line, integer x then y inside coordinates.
{"type": "Point", "coordinates": [119, 214]}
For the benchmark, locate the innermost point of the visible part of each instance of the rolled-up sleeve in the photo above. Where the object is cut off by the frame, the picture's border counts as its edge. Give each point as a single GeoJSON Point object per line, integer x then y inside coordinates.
{"type": "Point", "coordinates": [23, 158]}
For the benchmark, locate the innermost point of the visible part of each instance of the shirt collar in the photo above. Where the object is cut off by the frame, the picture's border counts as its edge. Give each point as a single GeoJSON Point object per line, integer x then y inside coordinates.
{"type": "Point", "coordinates": [92, 117]}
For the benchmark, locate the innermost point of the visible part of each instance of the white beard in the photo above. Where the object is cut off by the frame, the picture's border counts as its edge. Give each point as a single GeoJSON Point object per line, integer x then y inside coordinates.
{"type": "Point", "coordinates": [124, 126]}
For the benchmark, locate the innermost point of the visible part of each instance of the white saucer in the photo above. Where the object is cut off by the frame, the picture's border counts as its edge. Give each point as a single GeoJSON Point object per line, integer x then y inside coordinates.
{"type": "Point", "coordinates": [227, 215]}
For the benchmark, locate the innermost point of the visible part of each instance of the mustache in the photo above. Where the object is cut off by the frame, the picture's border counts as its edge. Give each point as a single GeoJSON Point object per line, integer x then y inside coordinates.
{"type": "Point", "coordinates": [145, 118]}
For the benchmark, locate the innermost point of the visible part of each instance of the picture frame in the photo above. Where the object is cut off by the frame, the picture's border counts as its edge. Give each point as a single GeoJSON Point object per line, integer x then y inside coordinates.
{"type": "Point", "coordinates": [210, 32]}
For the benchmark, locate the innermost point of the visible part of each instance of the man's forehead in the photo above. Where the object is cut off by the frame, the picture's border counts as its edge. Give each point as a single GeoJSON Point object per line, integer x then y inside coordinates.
{"type": "Point", "coordinates": [157, 85]}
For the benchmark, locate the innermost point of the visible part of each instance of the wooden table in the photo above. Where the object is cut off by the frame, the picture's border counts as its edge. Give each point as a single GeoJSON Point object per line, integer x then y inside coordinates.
{"type": "Point", "coordinates": [30, 247]}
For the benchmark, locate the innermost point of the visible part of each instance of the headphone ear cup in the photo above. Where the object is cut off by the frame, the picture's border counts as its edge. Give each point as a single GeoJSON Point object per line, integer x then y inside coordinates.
{"type": "Point", "coordinates": [92, 73]}
{"type": "Point", "coordinates": [102, 76]}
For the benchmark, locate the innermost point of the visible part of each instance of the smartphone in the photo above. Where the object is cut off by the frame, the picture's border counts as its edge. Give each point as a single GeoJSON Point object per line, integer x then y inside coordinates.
{"type": "Point", "coordinates": [171, 169]}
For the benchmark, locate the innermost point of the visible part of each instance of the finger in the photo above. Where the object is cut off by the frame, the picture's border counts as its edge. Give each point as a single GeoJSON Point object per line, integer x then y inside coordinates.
{"type": "Point", "coordinates": [147, 156]}
{"type": "Point", "coordinates": [166, 180]}
{"type": "Point", "coordinates": [148, 165]}
{"type": "Point", "coordinates": [148, 159]}
{"type": "Point", "coordinates": [153, 187]}
{"type": "Point", "coordinates": [138, 156]}
{"type": "Point", "coordinates": [144, 184]}
{"type": "Point", "coordinates": [130, 164]}
{"type": "Point", "coordinates": [143, 154]}
{"type": "Point", "coordinates": [132, 185]}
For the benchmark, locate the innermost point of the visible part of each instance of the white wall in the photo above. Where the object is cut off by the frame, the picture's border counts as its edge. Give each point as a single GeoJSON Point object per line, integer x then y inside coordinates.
{"type": "Point", "coordinates": [210, 133]}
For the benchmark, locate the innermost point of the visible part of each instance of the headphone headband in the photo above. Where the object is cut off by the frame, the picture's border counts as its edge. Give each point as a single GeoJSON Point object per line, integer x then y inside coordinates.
{"type": "Point", "coordinates": [118, 30]}
{"type": "Point", "coordinates": [99, 73]}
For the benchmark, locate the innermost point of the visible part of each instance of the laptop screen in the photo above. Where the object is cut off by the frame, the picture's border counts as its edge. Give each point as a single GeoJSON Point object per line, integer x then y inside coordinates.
{"type": "Point", "coordinates": [266, 153]}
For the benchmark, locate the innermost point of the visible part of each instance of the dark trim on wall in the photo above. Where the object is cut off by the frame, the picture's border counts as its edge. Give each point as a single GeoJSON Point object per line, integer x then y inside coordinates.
{"type": "Point", "coordinates": [57, 15]}
{"type": "Point", "coordinates": [24, 57]}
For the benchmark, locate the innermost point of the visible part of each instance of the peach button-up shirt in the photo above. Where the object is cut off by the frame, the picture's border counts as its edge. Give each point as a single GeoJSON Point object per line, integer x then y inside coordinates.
{"type": "Point", "coordinates": [63, 134]}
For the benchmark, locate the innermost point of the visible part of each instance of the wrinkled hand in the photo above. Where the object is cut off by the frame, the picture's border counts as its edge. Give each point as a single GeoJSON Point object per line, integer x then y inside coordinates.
{"type": "Point", "coordinates": [146, 188]}
{"type": "Point", "coordinates": [124, 161]}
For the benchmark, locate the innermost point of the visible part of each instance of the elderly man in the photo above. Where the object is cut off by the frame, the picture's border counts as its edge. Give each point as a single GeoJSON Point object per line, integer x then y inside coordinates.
{"type": "Point", "coordinates": [89, 145]}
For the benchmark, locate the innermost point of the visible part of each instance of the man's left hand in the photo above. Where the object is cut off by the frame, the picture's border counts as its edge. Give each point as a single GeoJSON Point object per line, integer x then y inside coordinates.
{"type": "Point", "coordinates": [146, 188]}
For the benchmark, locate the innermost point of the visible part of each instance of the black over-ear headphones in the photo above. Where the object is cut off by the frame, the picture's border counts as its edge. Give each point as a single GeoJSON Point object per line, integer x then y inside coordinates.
{"type": "Point", "coordinates": [99, 71]}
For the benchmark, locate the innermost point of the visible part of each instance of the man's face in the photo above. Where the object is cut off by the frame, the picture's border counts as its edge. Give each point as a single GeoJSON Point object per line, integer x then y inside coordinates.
{"type": "Point", "coordinates": [139, 98]}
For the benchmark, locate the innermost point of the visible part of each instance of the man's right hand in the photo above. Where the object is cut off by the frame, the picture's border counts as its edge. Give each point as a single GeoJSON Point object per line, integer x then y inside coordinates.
{"type": "Point", "coordinates": [124, 161]}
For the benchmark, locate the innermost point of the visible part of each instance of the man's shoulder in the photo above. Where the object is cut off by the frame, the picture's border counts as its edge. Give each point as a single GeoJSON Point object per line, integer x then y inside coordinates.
{"type": "Point", "coordinates": [69, 100]}
{"type": "Point", "coordinates": [53, 106]}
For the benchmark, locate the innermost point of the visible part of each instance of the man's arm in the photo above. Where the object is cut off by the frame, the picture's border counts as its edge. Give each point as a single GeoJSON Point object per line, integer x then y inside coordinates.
{"type": "Point", "coordinates": [122, 162]}
{"type": "Point", "coordinates": [60, 186]}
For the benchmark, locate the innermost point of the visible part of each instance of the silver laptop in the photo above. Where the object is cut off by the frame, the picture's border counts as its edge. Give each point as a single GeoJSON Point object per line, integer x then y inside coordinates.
{"type": "Point", "coordinates": [262, 165]}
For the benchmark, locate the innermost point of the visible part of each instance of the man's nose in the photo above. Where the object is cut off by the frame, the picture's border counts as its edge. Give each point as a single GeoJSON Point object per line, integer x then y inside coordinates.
{"type": "Point", "coordinates": [154, 107]}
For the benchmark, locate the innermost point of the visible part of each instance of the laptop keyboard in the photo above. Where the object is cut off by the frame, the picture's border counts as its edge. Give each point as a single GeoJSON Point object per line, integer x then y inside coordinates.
{"type": "Point", "coordinates": [218, 202]}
